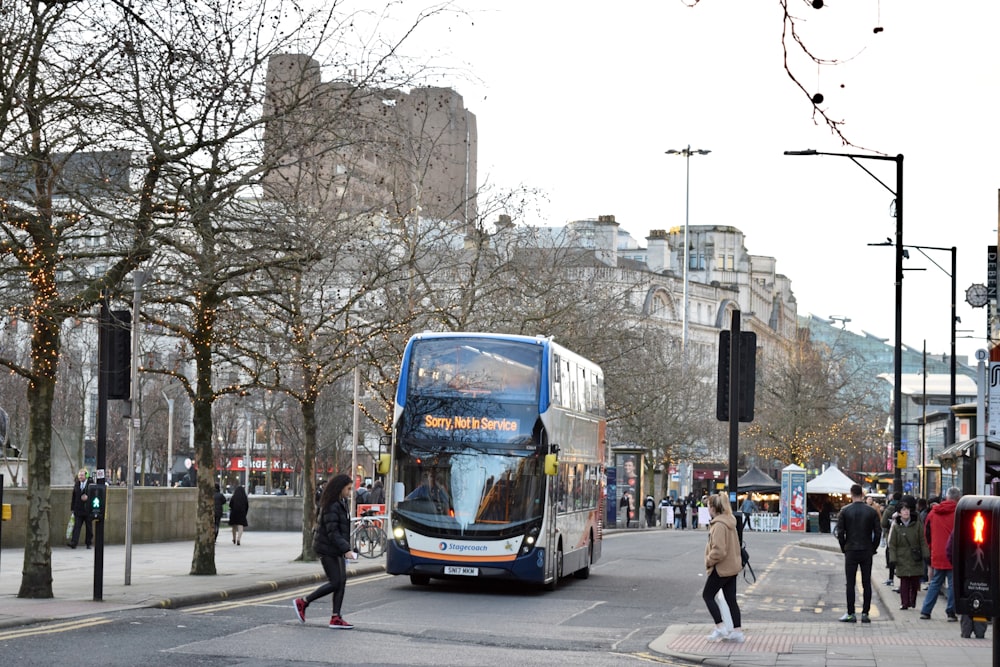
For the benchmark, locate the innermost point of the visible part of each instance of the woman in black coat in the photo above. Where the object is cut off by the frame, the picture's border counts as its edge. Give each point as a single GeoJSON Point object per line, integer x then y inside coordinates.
{"type": "Point", "coordinates": [332, 543]}
{"type": "Point", "coordinates": [239, 505]}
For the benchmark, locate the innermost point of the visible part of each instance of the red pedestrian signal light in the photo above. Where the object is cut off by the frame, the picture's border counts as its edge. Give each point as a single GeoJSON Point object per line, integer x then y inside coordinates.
{"type": "Point", "coordinates": [976, 565]}
{"type": "Point", "coordinates": [978, 523]}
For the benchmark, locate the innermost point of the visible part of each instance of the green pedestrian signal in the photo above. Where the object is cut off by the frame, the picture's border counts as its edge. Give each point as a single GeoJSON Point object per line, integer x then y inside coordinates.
{"type": "Point", "coordinates": [98, 495]}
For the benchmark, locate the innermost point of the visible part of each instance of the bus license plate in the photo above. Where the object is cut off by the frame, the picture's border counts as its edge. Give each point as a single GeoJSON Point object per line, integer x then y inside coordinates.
{"type": "Point", "coordinates": [463, 571]}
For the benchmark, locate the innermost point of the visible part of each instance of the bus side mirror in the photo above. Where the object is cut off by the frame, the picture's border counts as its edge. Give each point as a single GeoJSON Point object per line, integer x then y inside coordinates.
{"type": "Point", "coordinates": [551, 464]}
{"type": "Point", "coordinates": [383, 464]}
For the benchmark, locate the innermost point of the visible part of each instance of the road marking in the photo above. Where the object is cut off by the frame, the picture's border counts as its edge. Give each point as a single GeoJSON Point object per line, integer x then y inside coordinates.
{"type": "Point", "coordinates": [64, 626]}
{"type": "Point", "coordinates": [284, 596]}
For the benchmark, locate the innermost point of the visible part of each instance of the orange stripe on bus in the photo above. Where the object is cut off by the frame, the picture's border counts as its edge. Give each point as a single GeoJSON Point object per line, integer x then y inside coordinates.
{"type": "Point", "coordinates": [433, 555]}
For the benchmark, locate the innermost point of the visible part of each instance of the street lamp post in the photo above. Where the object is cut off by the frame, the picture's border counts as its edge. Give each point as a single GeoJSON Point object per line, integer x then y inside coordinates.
{"type": "Point", "coordinates": [950, 436]}
{"type": "Point", "coordinates": [897, 393]}
{"type": "Point", "coordinates": [687, 153]}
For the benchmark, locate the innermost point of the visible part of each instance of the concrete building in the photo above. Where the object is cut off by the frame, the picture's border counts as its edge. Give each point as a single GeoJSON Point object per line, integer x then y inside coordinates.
{"type": "Point", "coordinates": [350, 149]}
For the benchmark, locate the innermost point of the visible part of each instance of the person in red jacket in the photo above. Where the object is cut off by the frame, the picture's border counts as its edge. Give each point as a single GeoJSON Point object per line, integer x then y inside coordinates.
{"type": "Point", "coordinates": [938, 528]}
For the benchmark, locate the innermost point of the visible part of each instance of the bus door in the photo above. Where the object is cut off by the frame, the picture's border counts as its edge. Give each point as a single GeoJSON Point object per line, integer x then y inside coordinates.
{"type": "Point", "coordinates": [556, 495]}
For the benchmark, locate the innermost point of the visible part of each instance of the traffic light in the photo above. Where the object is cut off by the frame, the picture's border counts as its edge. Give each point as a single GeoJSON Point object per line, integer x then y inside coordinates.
{"type": "Point", "coordinates": [119, 342]}
{"type": "Point", "coordinates": [97, 494]}
{"type": "Point", "coordinates": [747, 356]}
{"type": "Point", "coordinates": [976, 565]}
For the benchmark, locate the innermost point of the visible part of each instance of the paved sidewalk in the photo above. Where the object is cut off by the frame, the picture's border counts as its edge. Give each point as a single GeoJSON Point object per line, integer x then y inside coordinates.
{"type": "Point", "coordinates": [266, 562]}
{"type": "Point", "coordinates": [894, 638]}
{"type": "Point", "coordinates": [159, 576]}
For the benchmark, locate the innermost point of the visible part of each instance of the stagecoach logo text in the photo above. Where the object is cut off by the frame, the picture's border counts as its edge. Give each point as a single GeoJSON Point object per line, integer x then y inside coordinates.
{"type": "Point", "coordinates": [478, 423]}
{"type": "Point", "coordinates": [446, 546]}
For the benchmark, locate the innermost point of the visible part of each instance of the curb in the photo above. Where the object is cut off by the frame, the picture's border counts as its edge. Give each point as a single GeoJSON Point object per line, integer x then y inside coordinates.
{"type": "Point", "coordinates": [251, 590]}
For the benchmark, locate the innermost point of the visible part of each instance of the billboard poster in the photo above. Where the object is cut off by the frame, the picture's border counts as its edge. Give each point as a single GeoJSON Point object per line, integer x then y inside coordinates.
{"type": "Point", "coordinates": [793, 500]}
{"type": "Point", "coordinates": [627, 465]}
{"type": "Point", "coordinates": [611, 496]}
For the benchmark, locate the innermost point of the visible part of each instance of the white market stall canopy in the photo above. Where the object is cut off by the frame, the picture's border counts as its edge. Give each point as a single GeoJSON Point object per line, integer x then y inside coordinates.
{"type": "Point", "coordinates": [830, 481]}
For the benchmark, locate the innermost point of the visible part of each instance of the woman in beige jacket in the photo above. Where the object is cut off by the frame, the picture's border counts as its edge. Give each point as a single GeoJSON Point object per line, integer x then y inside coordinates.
{"type": "Point", "coordinates": [722, 565]}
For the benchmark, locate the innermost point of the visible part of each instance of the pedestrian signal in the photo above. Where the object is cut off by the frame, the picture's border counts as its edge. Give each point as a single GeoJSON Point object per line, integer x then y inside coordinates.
{"type": "Point", "coordinates": [747, 362]}
{"type": "Point", "coordinates": [976, 563]}
{"type": "Point", "coordinates": [98, 496]}
{"type": "Point", "coordinates": [119, 358]}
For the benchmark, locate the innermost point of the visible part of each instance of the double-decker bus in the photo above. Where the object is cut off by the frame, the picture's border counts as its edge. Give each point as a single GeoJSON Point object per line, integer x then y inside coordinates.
{"type": "Point", "coordinates": [497, 463]}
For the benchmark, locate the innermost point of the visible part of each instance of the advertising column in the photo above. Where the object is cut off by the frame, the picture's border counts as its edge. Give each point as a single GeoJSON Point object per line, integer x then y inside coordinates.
{"type": "Point", "coordinates": [793, 499]}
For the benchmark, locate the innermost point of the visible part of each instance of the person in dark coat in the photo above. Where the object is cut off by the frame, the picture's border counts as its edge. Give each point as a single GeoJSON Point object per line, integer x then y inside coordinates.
{"type": "Point", "coordinates": [650, 506]}
{"type": "Point", "coordinates": [908, 548]}
{"type": "Point", "coordinates": [239, 505]}
{"type": "Point", "coordinates": [377, 495]}
{"type": "Point", "coordinates": [332, 543]}
{"type": "Point", "coordinates": [859, 535]}
{"type": "Point", "coordinates": [81, 511]}
{"type": "Point", "coordinates": [220, 502]}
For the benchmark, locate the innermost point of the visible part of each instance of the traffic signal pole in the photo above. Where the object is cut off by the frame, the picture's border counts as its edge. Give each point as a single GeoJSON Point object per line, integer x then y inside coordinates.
{"type": "Point", "coordinates": [103, 357]}
{"type": "Point", "coordinates": [734, 413]}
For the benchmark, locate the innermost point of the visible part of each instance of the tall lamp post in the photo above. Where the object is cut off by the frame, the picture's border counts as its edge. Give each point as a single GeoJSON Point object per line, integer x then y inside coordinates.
{"type": "Point", "coordinates": [687, 153]}
{"type": "Point", "coordinates": [951, 435]}
{"type": "Point", "coordinates": [897, 392]}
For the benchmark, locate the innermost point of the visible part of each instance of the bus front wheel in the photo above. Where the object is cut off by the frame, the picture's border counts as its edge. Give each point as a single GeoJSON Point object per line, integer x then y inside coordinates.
{"type": "Point", "coordinates": [554, 584]}
{"type": "Point", "coordinates": [419, 579]}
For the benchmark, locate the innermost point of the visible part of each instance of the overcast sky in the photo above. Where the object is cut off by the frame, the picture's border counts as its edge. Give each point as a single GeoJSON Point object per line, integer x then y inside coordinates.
{"type": "Point", "coordinates": [581, 99]}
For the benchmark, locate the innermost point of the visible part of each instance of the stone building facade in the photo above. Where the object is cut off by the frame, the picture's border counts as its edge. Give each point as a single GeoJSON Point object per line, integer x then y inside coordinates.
{"type": "Point", "coordinates": [352, 149]}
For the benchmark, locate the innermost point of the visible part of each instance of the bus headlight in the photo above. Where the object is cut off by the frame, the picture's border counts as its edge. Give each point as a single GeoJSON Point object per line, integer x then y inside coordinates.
{"type": "Point", "coordinates": [399, 534]}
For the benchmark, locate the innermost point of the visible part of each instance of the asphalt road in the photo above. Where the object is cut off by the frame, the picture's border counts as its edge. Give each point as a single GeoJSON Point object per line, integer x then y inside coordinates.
{"type": "Point", "coordinates": [644, 582]}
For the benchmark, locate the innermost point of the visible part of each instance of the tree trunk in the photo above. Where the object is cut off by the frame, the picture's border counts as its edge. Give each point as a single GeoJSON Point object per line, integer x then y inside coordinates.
{"type": "Point", "coordinates": [36, 574]}
{"type": "Point", "coordinates": [308, 408]}
{"type": "Point", "coordinates": [203, 560]}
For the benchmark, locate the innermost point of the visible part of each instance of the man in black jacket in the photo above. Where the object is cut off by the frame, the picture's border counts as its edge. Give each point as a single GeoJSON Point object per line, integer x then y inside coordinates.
{"type": "Point", "coordinates": [80, 507]}
{"type": "Point", "coordinates": [859, 533]}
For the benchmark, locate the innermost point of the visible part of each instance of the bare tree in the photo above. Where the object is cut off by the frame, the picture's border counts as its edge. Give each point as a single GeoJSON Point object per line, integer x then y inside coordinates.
{"type": "Point", "coordinates": [814, 407]}
{"type": "Point", "coordinates": [794, 45]}
{"type": "Point", "coordinates": [71, 225]}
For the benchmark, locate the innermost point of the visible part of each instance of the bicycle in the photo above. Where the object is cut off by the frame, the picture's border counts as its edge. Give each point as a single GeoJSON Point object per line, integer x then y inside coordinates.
{"type": "Point", "coordinates": [368, 536]}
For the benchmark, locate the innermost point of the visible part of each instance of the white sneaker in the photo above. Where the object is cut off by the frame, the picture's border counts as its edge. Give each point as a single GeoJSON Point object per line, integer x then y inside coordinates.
{"type": "Point", "coordinates": [718, 634]}
{"type": "Point", "coordinates": [736, 636]}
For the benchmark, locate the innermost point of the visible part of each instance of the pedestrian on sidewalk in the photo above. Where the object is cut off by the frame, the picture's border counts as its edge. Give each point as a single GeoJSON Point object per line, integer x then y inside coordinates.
{"type": "Point", "coordinates": [627, 505]}
{"type": "Point", "coordinates": [907, 551]}
{"type": "Point", "coordinates": [81, 511]}
{"type": "Point", "coordinates": [332, 543]}
{"type": "Point", "coordinates": [650, 506]}
{"type": "Point", "coordinates": [940, 524]}
{"type": "Point", "coordinates": [239, 507]}
{"type": "Point", "coordinates": [219, 501]}
{"type": "Point", "coordinates": [748, 507]}
{"type": "Point", "coordinates": [889, 515]}
{"type": "Point", "coordinates": [921, 515]}
{"type": "Point", "coordinates": [859, 534]}
{"type": "Point", "coordinates": [723, 564]}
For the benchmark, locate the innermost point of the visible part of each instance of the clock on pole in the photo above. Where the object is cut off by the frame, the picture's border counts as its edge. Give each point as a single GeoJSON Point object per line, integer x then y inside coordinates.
{"type": "Point", "coordinates": [976, 295]}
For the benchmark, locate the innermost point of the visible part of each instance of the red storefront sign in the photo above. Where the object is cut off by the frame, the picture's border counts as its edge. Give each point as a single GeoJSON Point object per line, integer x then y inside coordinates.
{"type": "Point", "coordinates": [259, 464]}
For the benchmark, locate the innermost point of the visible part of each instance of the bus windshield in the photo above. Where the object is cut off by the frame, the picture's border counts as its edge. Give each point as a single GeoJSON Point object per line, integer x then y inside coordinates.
{"type": "Point", "coordinates": [501, 370]}
{"type": "Point", "coordinates": [471, 492]}
{"type": "Point", "coordinates": [472, 391]}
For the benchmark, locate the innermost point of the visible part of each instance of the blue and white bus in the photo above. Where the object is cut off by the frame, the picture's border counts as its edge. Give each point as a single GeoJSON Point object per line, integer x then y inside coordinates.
{"type": "Point", "coordinates": [497, 463]}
